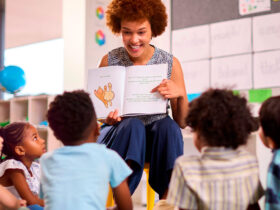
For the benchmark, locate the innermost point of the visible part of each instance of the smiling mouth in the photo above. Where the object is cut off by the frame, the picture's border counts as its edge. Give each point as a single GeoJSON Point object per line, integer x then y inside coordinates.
{"type": "Point", "coordinates": [135, 46]}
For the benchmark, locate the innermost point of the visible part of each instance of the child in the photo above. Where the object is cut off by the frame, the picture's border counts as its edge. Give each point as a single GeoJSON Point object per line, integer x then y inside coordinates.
{"type": "Point", "coordinates": [77, 175]}
{"type": "Point", "coordinates": [270, 135]}
{"type": "Point", "coordinates": [224, 176]}
{"type": "Point", "coordinates": [7, 199]}
{"type": "Point", "coordinates": [18, 171]}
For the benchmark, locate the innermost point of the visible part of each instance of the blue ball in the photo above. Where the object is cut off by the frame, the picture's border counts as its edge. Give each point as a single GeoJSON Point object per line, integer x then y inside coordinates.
{"type": "Point", "coordinates": [12, 79]}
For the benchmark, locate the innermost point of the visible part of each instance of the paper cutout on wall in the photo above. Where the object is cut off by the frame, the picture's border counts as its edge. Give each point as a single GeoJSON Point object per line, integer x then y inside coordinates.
{"type": "Point", "coordinates": [247, 7]}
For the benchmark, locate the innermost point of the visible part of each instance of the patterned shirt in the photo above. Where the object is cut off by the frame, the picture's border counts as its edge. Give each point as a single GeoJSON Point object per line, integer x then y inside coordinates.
{"type": "Point", "coordinates": [120, 57]}
{"type": "Point", "coordinates": [272, 194]}
{"type": "Point", "coordinates": [33, 180]}
{"type": "Point", "coordinates": [221, 178]}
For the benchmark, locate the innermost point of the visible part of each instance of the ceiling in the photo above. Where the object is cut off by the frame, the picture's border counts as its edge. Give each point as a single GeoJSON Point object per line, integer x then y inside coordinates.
{"type": "Point", "coordinates": [29, 21]}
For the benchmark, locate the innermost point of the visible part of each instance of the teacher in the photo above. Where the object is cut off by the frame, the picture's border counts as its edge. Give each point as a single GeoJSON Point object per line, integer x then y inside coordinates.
{"type": "Point", "coordinates": [157, 138]}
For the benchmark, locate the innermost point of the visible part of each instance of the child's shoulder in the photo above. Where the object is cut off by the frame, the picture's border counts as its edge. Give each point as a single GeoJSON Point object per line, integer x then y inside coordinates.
{"type": "Point", "coordinates": [188, 161]}
{"type": "Point", "coordinates": [11, 164]}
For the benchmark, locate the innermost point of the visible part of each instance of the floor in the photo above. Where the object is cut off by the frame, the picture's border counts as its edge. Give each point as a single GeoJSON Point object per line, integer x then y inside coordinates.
{"type": "Point", "coordinates": [139, 207]}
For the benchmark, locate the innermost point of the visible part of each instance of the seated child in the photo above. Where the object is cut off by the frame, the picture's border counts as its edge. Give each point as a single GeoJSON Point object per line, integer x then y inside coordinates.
{"type": "Point", "coordinates": [270, 135]}
{"type": "Point", "coordinates": [7, 199]}
{"type": "Point", "coordinates": [19, 172]}
{"type": "Point", "coordinates": [224, 176]}
{"type": "Point", "coordinates": [77, 176]}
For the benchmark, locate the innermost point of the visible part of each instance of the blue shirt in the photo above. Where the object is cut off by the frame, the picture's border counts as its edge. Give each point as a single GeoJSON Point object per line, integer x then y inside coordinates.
{"type": "Point", "coordinates": [78, 177]}
{"type": "Point", "coordinates": [272, 194]}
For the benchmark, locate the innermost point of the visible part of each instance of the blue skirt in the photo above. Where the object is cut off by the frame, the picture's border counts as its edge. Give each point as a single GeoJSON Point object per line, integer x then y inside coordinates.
{"type": "Point", "coordinates": [158, 143]}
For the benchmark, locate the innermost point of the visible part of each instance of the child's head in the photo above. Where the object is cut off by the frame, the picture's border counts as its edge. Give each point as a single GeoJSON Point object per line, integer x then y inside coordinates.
{"type": "Point", "coordinates": [220, 119]}
{"type": "Point", "coordinates": [21, 139]}
{"type": "Point", "coordinates": [269, 116]}
{"type": "Point", "coordinates": [72, 117]}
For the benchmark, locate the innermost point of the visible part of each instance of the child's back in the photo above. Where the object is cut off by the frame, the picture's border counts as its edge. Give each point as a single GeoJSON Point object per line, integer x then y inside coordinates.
{"type": "Point", "coordinates": [77, 176]}
{"type": "Point", "coordinates": [224, 176]}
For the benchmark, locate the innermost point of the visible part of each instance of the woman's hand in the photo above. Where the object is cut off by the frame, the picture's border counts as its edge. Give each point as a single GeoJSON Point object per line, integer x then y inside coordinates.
{"type": "Point", "coordinates": [113, 117]}
{"type": "Point", "coordinates": [168, 89]}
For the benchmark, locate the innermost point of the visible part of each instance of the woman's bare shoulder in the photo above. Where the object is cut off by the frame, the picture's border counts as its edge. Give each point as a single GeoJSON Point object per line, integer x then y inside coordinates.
{"type": "Point", "coordinates": [104, 61]}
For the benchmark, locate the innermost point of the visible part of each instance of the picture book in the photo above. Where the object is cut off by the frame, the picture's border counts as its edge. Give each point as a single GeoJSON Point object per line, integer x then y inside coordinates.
{"type": "Point", "coordinates": [127, 89]}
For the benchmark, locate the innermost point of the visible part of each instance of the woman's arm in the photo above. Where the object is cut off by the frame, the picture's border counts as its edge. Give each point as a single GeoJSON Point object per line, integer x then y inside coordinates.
{"type": "Point", "coordinates": [122, 196]}
{"type": "Point", "coordinates": [104, 61]}
{"type": "Point", "coordinates": [179, 105]}
{"type": "Point", "coordinates": [18, 179]}
{"type": "Point", "coordinates": [174, 89]}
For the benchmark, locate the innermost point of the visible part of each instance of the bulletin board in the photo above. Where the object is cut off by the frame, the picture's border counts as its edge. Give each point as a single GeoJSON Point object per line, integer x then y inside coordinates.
{"type": "Point", "coordinates": [225, 44]}
{"type": "Point", "coordinates": [187, 13]}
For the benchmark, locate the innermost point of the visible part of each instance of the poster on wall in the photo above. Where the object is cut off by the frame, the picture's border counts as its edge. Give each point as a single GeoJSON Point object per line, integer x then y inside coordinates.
{"type": "Point", "coordinates": [232, 72]}
{"type": "Point", "coordinates": [231, 37]}
{"type": "Point", "coordinates": [266, 32]}
{"type": "Point", "coordinates": [191, 44]}
{"type": "Point", "coordinates": [196, 76]}
{"type": "Point", "coordinates": [267, 69]}
{"type": "Point", "coordinates": [247, 7]}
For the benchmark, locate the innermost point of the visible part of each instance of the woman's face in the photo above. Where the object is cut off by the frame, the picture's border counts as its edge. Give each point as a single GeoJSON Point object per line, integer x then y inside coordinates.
{"type": "Point", "coordinates": [136, 37]}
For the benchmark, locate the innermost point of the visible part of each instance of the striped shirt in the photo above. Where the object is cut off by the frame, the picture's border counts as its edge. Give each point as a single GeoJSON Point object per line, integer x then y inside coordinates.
{"type": "Point", "coordinates": [219, 179]}
{"type": "Point", "coordinates": [272, 194]}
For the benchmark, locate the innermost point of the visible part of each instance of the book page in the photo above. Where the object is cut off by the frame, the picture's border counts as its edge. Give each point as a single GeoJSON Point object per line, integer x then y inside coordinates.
{"type": "Point", "coordinates": [140, 80]}
{"type": "Point", "coordinates": [106, 88]}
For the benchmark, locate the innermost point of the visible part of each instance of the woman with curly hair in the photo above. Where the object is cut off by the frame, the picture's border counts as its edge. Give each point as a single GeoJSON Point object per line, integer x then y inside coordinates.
{"type": "Point", "coordinates": [157, 138]}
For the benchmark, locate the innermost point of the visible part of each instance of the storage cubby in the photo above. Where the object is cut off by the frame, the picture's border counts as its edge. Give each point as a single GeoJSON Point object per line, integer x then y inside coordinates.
{"type": "Point", "coordinates": [38, 106]}
{"type": "Point", "coordinates": [19, 109]}
{"type": "Point", "coordinates": [4, 111]}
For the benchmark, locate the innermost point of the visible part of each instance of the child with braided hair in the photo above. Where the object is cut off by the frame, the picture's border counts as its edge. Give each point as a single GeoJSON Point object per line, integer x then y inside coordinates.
{"type": "Point", "coordinates": [19, 172]}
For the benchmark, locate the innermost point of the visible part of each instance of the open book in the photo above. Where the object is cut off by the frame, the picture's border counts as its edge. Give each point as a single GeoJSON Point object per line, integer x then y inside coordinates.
{"type": "Point", "coordinates": [127, 89]}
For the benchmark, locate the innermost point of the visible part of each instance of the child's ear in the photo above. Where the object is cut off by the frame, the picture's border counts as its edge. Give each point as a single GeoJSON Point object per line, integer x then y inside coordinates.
{"type": "Point", "coordinates": [19, 150]}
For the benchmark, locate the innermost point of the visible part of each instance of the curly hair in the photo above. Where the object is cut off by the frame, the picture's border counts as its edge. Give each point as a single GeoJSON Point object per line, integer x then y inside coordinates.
{"type": "Point", "coordinates": [12, 135]}
{"type": "Point", "coordinates": [70, 116]}
{"type": "Point", "coordinates": [269, 116]}
{"type": "Point", "coordinates": [221, 118]}
{"type": "Point", "coordinates": [134, 10]}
